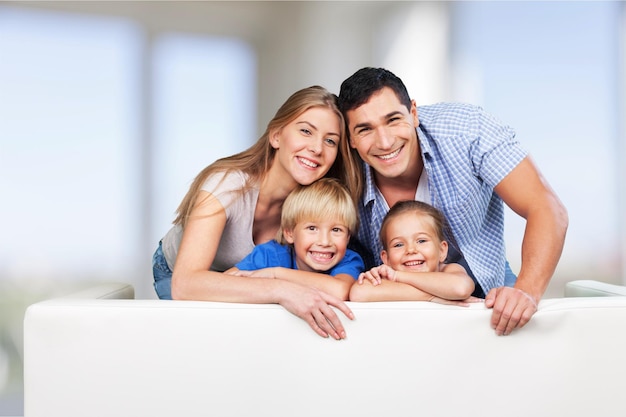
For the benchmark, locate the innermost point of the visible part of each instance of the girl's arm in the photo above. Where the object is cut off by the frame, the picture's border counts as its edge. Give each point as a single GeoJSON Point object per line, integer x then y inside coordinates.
{"type": "Point", "coordinates": [192, 279]}
{"type": "Point", "coordinates": [396, 291]}
{"type": "Point", "coordinates": [451, 283]}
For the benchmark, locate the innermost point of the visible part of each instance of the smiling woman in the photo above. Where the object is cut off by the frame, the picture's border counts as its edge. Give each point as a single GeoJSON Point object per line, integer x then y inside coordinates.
{"type": "Point", "coordinates": [235, 203]}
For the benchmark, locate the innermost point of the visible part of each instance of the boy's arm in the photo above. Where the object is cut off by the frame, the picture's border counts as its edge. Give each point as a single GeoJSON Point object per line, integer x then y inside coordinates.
{"type": "Point", "coordinates": [338, 285]}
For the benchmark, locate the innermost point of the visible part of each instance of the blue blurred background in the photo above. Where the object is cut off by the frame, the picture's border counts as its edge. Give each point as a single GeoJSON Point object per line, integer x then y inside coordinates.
{"type": "Point", "coordinates": [109, 109]}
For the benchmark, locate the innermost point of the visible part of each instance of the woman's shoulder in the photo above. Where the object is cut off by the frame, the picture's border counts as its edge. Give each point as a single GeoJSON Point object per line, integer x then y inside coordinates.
{"type": "Point", "coordinates": [224, 181]}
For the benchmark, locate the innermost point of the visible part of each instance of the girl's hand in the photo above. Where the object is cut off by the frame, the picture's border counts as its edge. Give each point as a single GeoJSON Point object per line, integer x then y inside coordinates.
{"type": "Point", "coordinates": [377, 274]}
{"type": "Point", "coordinates": [461, 303]}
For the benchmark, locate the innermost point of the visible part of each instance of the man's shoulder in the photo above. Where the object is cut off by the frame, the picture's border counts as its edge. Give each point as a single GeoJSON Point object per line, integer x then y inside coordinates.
{"type": "Point", "coordinates": [445, 119]}
{"type": "Point", "coordinates": [447, 110]}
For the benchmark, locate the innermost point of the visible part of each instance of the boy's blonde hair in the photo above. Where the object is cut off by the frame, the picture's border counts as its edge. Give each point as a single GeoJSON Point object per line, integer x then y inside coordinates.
{"type": "Point", "coordinates": [326, 198]}
{"type": "Point", "coordinates": [436, 217]}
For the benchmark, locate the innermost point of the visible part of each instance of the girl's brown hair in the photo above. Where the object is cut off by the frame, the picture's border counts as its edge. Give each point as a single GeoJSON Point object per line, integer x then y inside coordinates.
{"type": "Point", "coordinates": [436, 217]}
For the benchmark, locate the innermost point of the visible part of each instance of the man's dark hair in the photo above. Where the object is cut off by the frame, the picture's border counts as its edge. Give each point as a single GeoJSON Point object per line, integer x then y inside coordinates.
{"type": "Point", "coordinates": [360, 86]}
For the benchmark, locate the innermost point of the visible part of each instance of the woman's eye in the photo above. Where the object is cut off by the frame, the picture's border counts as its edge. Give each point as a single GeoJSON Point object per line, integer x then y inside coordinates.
{"type": "Point", "coordinates": [331, 142]}
{"type": "Point", "coordinates": [305, 131]}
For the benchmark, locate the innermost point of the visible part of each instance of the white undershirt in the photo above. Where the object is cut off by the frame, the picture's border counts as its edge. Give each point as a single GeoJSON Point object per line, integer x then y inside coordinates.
{"type": "Point", "coordinates": [422, 194]}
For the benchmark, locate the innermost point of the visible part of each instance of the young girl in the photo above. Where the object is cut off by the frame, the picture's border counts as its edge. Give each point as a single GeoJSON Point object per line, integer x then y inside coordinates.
{"type": "Point", "coordinates": [413, 255]}
{"type": "Point", "coordinates": [316, 224]}
{"type": "Point", "coordinates": [235, 203]}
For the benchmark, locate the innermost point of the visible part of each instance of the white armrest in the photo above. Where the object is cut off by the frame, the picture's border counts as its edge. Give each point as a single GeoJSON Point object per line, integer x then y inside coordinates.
{"type": "Point", "coordinates": [591, 288]}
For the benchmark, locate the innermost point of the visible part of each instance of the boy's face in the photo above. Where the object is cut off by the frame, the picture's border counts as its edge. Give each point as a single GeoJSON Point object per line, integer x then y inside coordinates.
{"type": "Point", "coordinates": [412, 244]}
{"type": "Point", "coordinates": [319, 245]}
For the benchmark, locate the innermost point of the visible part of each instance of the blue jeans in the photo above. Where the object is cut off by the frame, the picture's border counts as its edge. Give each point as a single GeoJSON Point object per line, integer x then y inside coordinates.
{"type": "Point", "coordinates": [162, 275]}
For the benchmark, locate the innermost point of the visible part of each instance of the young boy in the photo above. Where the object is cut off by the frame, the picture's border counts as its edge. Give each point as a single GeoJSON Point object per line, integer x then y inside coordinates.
{"type": "Point", "coordinates": [413, 255]}
{"type": "Point", "coordinates": [312, 242]}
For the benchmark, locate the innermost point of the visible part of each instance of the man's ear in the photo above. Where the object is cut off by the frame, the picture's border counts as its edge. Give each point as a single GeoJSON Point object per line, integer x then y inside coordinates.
{"type": "Point", "coordinates": [288, 235]}
{"type": "Point", "coordinates": [443, 251]}
{"type": "Point", "coordinates": [416, 120]}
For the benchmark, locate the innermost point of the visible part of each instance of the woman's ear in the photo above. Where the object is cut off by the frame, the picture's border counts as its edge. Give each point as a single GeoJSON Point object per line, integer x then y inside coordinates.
{"type": "Point", "coordinates": [443, 251]}
{"type": "Point", "coordinates": [275, 138]}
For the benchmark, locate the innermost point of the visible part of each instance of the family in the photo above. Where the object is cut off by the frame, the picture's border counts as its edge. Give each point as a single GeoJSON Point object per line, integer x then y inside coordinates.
{"type": "Point", "coordinates": [366, 197]}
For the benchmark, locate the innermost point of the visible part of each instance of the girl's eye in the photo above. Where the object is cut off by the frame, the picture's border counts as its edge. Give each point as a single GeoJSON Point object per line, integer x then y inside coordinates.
{"type": "Point", "coordinates": [331, 142]}
{"type": "Point", "coordinates": [311, 228]}
{"type": "Point", "coordinates": [338, 230]}
{"type": "Point", "coordinates": [397, 245]}
{"type": "Point", "coordinates": [421, 240]}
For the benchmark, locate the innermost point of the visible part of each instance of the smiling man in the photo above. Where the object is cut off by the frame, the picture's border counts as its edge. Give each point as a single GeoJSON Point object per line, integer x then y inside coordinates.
{"type": "Point", "coordinates": [466, 163]}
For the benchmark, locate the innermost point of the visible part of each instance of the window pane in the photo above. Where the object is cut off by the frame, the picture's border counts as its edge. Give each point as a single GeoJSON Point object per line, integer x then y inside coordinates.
{"type": "Point", "coordinates": [205, 108]}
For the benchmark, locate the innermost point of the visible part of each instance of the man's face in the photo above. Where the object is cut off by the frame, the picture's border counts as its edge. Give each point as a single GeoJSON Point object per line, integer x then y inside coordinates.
{"type": "Point", "coordinates": [383, 132]}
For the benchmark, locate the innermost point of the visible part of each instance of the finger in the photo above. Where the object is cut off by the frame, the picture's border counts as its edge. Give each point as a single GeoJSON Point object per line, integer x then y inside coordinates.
{"type": "Point", "coordinates": [313, 323]}
{"type": "Point", "coordinates": [336, 302]}
{"type": "Point", "coordinates": [361, 276]}
{"type": "Point", "coordinates": [490, 298]}
{"type": "Point", "coordinates": [330, 323]}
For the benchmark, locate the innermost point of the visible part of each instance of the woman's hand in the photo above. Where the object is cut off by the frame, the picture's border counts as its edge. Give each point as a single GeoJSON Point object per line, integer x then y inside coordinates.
{"type": "Point", "coordinates": [314, 307]}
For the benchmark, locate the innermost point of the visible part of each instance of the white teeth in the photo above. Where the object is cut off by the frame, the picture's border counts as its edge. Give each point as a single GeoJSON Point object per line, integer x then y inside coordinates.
{"type": "Point", "coordinates": [414, 263]}
{"type": "Point", "coordinates": [390, 155]}
{"type": "Point", "coordinates": [326, 255]}
{"type": "Point", "coordinates": [308, 162]}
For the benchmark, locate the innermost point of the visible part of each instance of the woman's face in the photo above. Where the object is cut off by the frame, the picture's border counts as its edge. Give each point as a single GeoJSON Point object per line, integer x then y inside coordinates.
{"type": "Point", "coordinates": [307, 147]}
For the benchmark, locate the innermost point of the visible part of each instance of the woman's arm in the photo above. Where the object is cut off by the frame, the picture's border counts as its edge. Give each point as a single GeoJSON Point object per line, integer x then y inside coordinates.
{"type": "Point", "coordinates": [192, 279]}
{"type": "Point", "coordinates": [338, 285]}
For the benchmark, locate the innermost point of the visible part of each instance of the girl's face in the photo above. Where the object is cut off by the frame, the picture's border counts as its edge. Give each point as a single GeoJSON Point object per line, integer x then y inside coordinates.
{"type": "Point", "coordinates": [412, 244]}
{"type": "Point", "coordinates": [319, 245]}
{"type": "Point", "coordinates": [307, 147]}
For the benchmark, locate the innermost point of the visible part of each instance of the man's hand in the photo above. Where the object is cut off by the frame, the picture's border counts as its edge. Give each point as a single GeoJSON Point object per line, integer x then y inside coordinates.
{"type": "Point", "coordinates": [512, 308]}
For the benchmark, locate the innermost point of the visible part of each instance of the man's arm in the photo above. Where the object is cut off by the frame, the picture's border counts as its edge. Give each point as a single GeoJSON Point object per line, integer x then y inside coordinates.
{"type": "Point", "coordinates": [528, 194]}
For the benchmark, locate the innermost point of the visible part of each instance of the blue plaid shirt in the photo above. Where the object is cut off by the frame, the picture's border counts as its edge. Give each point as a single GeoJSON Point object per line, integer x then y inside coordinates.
{"type": "Point", "coordinates": [466, 153]}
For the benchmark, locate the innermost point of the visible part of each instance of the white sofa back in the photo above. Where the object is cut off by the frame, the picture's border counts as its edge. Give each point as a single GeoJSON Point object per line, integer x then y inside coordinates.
{"type": "Point", "coordinates": [91, 357]}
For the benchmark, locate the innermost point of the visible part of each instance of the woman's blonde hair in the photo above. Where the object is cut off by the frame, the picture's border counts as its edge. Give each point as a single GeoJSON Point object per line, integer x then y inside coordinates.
{"type": "Point", "coordinates": [257, 160]}
{"type": "Point", "coordinates": [324, 199]}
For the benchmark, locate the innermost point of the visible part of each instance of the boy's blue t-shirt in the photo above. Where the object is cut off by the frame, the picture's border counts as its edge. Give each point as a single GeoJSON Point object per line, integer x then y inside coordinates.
{"type": "Point", "coordinates": [273, 254]}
